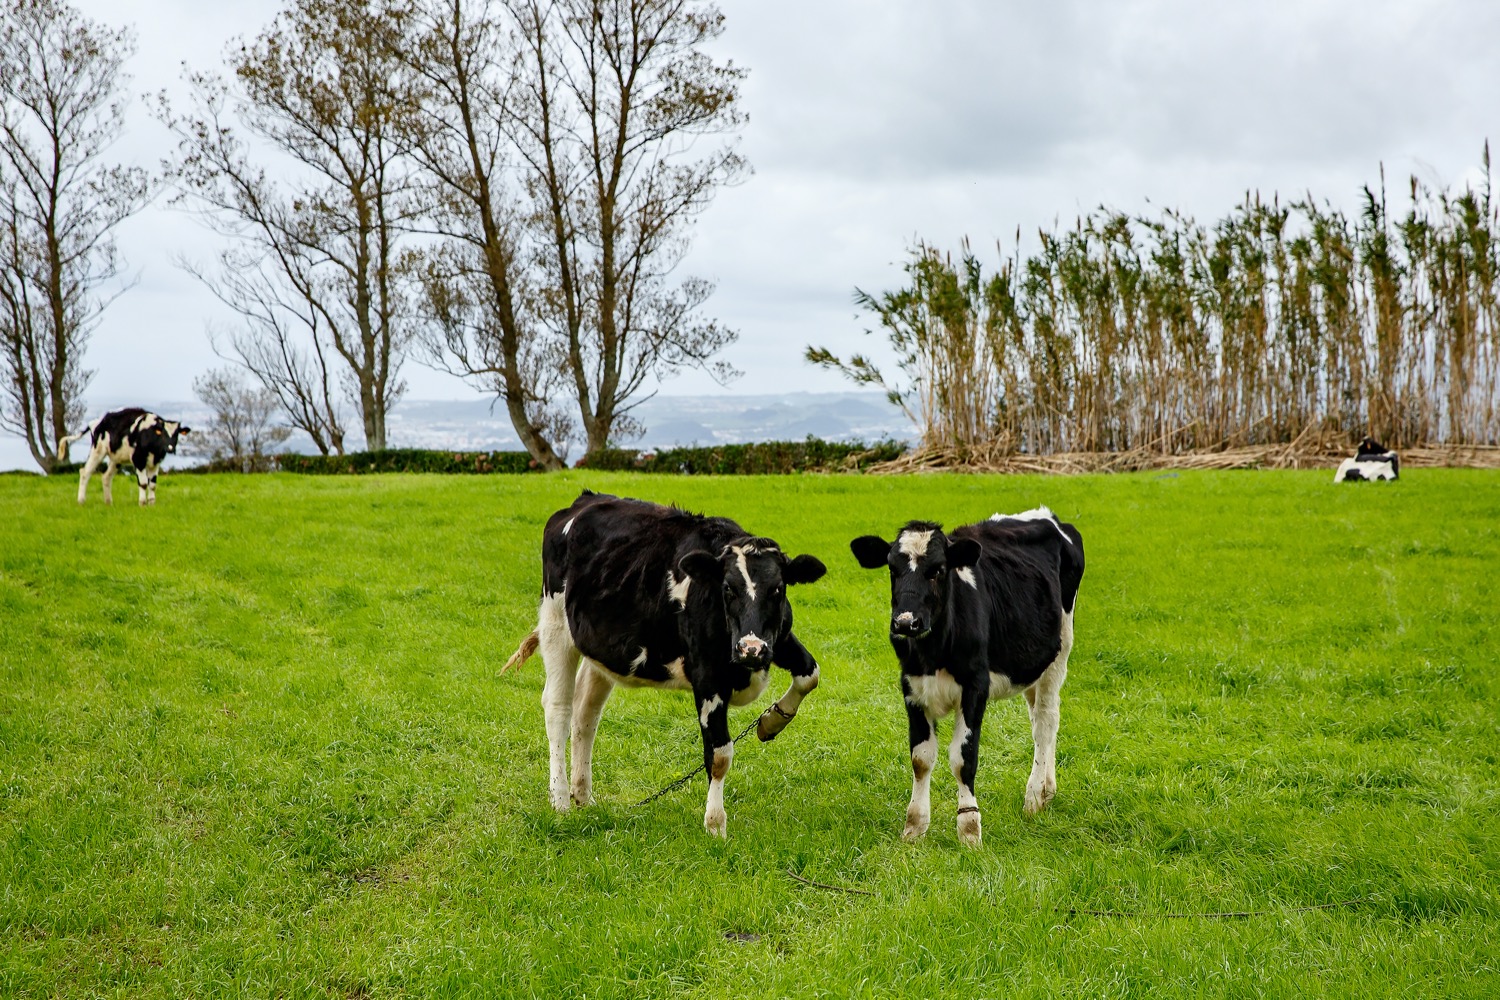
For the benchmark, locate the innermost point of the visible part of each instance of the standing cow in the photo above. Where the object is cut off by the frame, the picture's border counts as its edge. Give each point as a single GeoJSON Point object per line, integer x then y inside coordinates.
{"type": "Point", "coordinates": [132, 436]}
{"type": "Point", "coordinates": [652, 596]}
{"type": "Point", "coordinates": [984, 612]}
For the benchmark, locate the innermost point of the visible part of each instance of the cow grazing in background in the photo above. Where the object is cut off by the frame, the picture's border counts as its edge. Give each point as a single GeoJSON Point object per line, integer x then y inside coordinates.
{"type": "Point", "coordinates": [984, 612]}
{"type": "Point", "coordinates": [131, 436]}
{"type": "Point", "coordinates": [652, 596]}
{"type": "Point", "coordinates": [1372, 461]}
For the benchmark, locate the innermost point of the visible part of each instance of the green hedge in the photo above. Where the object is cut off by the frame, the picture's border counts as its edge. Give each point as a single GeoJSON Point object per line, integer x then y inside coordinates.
{"type": "Point", "coordinates": [409, 460]}
{"type": "Point", "coordinates": [769, 458]}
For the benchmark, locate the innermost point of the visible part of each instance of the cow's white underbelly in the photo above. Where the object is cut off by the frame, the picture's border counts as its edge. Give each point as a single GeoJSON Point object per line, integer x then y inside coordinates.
{"type": "Point", "coordinates": [938, 694]}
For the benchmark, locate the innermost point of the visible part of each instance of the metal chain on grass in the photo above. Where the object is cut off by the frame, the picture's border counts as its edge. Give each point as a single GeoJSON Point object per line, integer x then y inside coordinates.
{"type": "Point", "coordinates": [689, 776]}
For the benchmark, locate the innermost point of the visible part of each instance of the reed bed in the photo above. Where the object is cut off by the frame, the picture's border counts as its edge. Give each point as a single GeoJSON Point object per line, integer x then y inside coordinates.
{"type": "Point", "coordinates": [1276, 335]}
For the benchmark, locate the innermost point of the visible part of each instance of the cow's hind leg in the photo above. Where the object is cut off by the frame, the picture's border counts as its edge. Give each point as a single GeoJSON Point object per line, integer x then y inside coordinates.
{"type": "Point", "coordinates": [107, 480]}
{"type": "Point", "coordinates": [1044, 699]}
{"type": "Point", "coordinates": [560, 657]}
{"type": "Point", "coordinates": [923, 741]}
{"type": "Point", "coordinates": [89, 465]}
{"type": "Point", "coordinates": [592, 691]}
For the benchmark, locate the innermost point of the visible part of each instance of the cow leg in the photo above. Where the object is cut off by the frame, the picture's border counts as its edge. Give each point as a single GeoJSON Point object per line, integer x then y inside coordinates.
{"type": "Point", "coordinates": [142, 486]}
{"type": "Point", "coordinates": [560, 657]}
{"type": "Point", "coordinates": [792, 655]}
{"type": "Point", "coordinates": [923, 740]}
{"type": "Point", "coordinates": [718, 753]}
{"type": "Point", "coordinates": [1044, 700]}
{"type": "Point", "coordinates": [589, 695]}
{"type": "Point", "coordinates": [963, 758]}
{"type": "Point", "coordinates": [151, 491]}
{"type": "Point", "coordinates": [107, 480]}
{"type": "Point", "coordinates": [89, 465]}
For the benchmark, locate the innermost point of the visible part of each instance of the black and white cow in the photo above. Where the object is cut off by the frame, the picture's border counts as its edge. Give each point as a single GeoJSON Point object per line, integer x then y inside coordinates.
{"type": "Point", "coordinates": [1372, 461]}
{"type": "Point", "coordinates": [653, 596]}
{"type": "Point", "coordinates": [133, 436]}
{"type": "Point", "coordinates": [984, 612]}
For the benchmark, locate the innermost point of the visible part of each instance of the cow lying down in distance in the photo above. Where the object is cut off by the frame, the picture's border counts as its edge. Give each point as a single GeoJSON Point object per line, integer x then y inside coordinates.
{"type": "Point", "coordinates": [635, 594]}
{"type": "Point", "coordinates": [1371, 462]}
{"type": "Point", "coordinates": [983, 612]}
{"type": "Point", "coordinates": [130, 436]}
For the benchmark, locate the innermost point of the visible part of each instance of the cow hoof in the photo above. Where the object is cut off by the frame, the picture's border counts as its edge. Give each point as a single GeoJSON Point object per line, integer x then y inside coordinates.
{"type": "Point", "coordinates": [916, 825]}
{"type": "Point", "coordinates": [561, 803]}
{"type": "Point", "coordinates": [716, 824]}
{"type": "Point", "coordinates": [1037, 797]}
{"type": "Point", "coordinates": [583, 797]}
{"type": "Point", "coordinates": [769, 726]}
{"type": "Point", "coordinates": [968, 829]}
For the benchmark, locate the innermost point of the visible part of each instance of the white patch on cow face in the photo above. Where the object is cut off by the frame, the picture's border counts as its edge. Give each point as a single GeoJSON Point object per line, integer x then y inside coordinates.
{"type": "Point", "coordinates": [913, 545]}
{"type": "Point", "coordinates": [936, 694]}
{"type": "Point", "coordinates": [966, 574]}
{"type": "Point", "coordinates": [709, 707]}
{"type": "Point", "coordinates": [678, 589]}
{"type": "Point", "coordinates": [1035, 514]}
{"type": "Point", "coordinates": [759, 680]}
{"type": "Point", "coordinates": [740, 551]}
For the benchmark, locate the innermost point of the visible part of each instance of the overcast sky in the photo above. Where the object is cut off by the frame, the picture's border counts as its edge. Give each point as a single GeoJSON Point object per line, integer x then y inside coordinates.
{"type": "Point", "coordinates": [876, 122]}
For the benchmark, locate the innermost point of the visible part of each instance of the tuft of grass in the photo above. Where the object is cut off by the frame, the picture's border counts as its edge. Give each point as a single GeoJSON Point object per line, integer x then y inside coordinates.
{"type": "Point", "coordinates": [254, 741]}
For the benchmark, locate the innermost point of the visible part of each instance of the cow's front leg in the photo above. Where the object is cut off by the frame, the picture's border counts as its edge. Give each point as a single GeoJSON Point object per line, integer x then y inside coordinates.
{"type": "Point", "coordinates": [923, 740]}
{"type": "Point", "coordinates": [792, 655]}
{"type": "Point", "coordinates": [151, 491]}
{"type": "Point", "coordinates": [963, 757]}
{"type": "Point", "coordinates": [718, 752]}
{"type": "Point", "coordinates": [1044, 699]}
{"type": "Point", "coordinates": [143, 484]}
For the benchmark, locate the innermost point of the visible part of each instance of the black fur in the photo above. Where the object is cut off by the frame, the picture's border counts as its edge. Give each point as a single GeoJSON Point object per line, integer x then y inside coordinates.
{"type": "Point", "coordinates": [1026, 575]}
{"type": "Point", "coordinates": [616, 560]}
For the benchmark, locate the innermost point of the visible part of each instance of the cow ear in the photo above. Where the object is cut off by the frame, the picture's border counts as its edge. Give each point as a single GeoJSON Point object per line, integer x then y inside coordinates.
{"type": "Point", "coordinates": [964, 552]}
{"type": "Point", "coordinates": [872, 551]}
{"type": "Point", "coordinates": [803, 569]}
{"type": "Point", "coordinates": [702, 566]}
{"type": "Point", "coordinates": [184, 430]}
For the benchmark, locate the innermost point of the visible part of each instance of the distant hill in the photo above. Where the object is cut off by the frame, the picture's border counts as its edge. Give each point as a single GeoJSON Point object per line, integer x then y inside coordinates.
{"type": "Point", "coordinates": [481, 424]}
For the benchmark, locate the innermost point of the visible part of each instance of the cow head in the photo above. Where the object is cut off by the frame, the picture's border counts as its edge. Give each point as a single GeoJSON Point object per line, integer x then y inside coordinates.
{"type": "Point", "coordinates": [922, 561]}
{"type": "Point", "coordinates": [1369, 446]}
{"type": "Point", "coordinates": [173, 430]}
{"type": "Point", "coordinates": [752, 575]}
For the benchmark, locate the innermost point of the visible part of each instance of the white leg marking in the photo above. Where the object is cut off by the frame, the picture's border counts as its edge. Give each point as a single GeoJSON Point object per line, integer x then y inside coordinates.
{"type": "Point", "coordinates": [591, 691]}
{"type": "Point", "coordinates": [772, 723]}
{"type": "Point", "coordinates": [1044, 698]}
{"type": "Point", "coordinates": [89, 465]}
{"type": "Point", "coordinates": [919, 810]}
{"type": "Point", "coordinates": [714, 820]}
{"type": "Point", "coordinates": [708, 709]}
{"type": "Point", "coordinates": [107, 480]}
{"type": "Point", "coordinates": [560, 658]}
{"type": "Point", "coordinates": [968, 822]}
{"type": "Point", "coordinates": [914, 545]}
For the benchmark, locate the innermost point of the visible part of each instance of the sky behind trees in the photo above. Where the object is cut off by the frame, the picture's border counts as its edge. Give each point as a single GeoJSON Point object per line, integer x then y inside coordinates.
{"type": "Point", "coordinates": [876, 123]}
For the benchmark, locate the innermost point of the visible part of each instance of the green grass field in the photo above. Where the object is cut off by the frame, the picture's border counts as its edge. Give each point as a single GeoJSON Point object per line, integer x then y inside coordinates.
{"type": "Point", "coordinates": [254, 742]}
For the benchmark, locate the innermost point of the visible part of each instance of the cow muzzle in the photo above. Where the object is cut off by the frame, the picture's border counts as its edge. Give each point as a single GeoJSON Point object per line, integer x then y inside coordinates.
{"type": "Point", "coordinates": [752, 649]}
{"type": "Point", "coordinates": [908, 625]}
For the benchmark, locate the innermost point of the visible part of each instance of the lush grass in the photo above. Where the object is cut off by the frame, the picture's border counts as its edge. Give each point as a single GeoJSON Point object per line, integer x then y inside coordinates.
{"type": "Point", "coordinates": [253, 742]}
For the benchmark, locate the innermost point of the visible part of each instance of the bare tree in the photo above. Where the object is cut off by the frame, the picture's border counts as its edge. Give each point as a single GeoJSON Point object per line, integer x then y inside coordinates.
{"type": "Point", "coordinates": [61, 108]}
{"type": "Point", "coordinates": [561, 136]}
{"type": "Point", "coordinates": [319, 269]}
{"type": "Point", "coordinates": [243, 428]}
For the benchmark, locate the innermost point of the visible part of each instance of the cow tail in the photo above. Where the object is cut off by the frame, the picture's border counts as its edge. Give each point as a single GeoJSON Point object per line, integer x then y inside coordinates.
{"type": "Point", "coordinates": [523, 652]}
{"type": "Point", "coordinates": [63, 443]}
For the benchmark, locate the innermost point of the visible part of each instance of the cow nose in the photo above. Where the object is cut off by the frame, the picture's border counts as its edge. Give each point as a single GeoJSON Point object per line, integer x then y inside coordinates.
{"type": "Point", "coordinates": [904, 624]}
{"type": "Point", "coordinates": [752, 647]}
